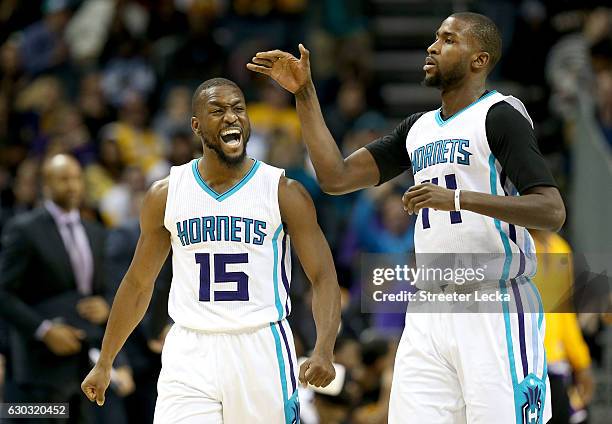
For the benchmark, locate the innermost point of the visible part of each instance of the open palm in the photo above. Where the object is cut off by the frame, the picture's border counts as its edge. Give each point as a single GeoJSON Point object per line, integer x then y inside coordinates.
{"type": "Point", "coordinates": [284, 68]}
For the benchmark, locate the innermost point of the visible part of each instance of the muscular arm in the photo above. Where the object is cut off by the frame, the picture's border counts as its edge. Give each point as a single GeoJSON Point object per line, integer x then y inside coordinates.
{"type": "Point", "coordinates": [336, 175]}
{"type": "Point", "coordinates": [134, 293]}
{"type": "Point", "coordinates": [540, 208]}
{"type": "Point", "coordinates": [299, 215]}
{"type": "Point", "coordinates": [513, 143]}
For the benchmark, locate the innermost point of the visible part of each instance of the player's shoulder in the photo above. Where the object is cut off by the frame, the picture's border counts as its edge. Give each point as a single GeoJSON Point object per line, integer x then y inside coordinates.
{"type": "Point", "coordinates": [507, 110]}
{"type": "Point", "coordinates": [160, 188]}
{"type": "Point", "coordinates": [156, 196]}
{"type": "Point", "coordinates": [293, 189]}
{"type": "Point", "coordinates": [502, 110]}
{"type": "Point", "coordinates": [294, 201]}
{"type": "Point", "coordinates": [410, 120]}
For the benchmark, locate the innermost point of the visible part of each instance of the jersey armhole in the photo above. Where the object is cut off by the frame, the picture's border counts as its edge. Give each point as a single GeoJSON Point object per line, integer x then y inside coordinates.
{"type": "Point", "coordinates": [278, 207]}
{"type": "Point", "coordinates": [169, 196]}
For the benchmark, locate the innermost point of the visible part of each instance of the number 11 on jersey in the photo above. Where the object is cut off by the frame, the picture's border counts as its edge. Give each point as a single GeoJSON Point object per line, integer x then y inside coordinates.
{"type": "Point", "coordinates": [451, 184]}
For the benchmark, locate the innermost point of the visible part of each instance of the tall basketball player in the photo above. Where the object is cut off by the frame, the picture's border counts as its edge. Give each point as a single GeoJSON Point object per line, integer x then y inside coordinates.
{"type": "Point", "coordinates": [469, 158]}
{"type": "Point", "coordinates": [229, 357]}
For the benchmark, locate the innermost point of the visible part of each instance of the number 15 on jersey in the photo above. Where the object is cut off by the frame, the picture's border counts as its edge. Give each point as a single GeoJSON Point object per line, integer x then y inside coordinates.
{"type": "Point", "coordinates": [222, 276]}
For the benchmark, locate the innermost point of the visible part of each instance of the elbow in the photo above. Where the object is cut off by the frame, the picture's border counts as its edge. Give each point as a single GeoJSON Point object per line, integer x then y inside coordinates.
{"type": "Point", "coordinates": [559, 218]}
{"type": "Point", "coordinates": [556, 217]}
{"type": "Point", "coordinates": [550, 208]}
{"type": "Point", "coordinates": [331, 186]}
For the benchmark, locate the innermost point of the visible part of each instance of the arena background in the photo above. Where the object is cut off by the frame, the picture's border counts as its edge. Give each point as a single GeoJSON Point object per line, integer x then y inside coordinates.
{"type": "Point", "coordinates": [110, 82]}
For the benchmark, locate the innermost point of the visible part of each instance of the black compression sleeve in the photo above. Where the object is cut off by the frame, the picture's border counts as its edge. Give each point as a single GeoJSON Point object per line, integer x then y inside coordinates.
{"type": "Point", "coordinates": [389, 151]}
{"type": "Point", "coordinates": [513, 143]}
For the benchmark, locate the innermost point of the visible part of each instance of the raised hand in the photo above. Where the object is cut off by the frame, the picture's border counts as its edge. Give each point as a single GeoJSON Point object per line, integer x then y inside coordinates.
{"type": "Point", "coordinates": [284, 68]}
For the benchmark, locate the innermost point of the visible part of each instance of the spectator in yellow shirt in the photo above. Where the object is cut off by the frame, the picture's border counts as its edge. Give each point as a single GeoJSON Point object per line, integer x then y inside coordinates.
{"type": "Point", "coordinates": [567, 353]}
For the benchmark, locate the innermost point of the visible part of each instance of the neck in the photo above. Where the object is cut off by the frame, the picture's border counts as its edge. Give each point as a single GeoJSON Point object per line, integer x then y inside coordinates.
{"type": "Point", "coordinates": [219, 175]}
{"type": "Point", "coordinates": [456, 98]}
{"type": "Point", "coordinates": [62, 208]}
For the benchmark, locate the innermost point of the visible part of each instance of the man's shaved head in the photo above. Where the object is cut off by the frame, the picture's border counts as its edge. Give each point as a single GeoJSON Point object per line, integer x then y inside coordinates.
{"type": "Point", "coordinates": [485, 32]}
{"type": "Point", "coordinates": [63, 181]}
{"type": "Point", "coordinates": [56, 164]}
{"type": "Point", "coordinates": [213, 82]}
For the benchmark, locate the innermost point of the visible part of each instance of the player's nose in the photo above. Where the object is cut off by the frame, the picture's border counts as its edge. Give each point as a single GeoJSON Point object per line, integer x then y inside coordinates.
{"type": "Point", "coordinates": [433, 48]}
{"type": "Point", "coordinates": [230, 117]}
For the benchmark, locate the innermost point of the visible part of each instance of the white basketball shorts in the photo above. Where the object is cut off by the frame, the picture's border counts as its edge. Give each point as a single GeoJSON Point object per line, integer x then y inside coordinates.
{"type": "Point", "coordinates": [226, 378]}
{"type": "Point", "coordinates": [476, 368]}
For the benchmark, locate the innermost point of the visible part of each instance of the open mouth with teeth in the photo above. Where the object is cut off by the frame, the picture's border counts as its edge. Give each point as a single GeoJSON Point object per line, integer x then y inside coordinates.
{"type": "Point", "coordinates": [231, 136]}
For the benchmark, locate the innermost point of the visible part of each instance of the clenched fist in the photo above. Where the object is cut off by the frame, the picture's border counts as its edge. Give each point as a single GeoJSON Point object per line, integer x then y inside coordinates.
{"type": "Point", "coordinates": [95, 384]}
{"type": "Point", "coordinates": [428, 195]}
{"type": "Point", "coordinates": [317, 371]}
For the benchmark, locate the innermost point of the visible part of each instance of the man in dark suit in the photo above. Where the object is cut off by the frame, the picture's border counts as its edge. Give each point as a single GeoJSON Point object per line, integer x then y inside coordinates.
{"type": "Point", "coordinates": [52, 292]}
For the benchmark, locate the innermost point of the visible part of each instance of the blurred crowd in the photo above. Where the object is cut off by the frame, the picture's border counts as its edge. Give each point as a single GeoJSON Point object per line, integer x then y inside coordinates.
{"type": "Point", "coordinates": [109, 82]}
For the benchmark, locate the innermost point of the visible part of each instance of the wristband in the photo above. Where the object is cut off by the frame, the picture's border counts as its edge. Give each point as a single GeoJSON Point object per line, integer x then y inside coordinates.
{"type": "Point", "coordinates": [457, 202]}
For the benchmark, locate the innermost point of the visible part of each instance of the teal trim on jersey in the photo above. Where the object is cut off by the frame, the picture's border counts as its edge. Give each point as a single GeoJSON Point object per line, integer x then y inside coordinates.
{"type": "Point", "coordinates": [504, 291]}
{"type": "Point", "coordinates": [277, 302]}
{"type": "Point", "coordinates": [545, 374]}
{"type": "Point", "coordinates": [228, 193]}
{"type": "Point", "coordinates": [441, 122]}
{"type": "Point", "coordinates": [540, 319]}
{"type": "Point", "coordinates": [535, 345]}
{"type": "Point", "coordinates": [541, 307]}
{"type": "Point", "coordinates": [200, 181]}
{"type": "Point", "coordinates": [281, 366]}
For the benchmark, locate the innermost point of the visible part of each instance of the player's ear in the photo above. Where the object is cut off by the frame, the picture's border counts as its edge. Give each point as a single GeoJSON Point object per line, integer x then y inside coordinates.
{"type": "Point", "coordinates": [195, 126]}
{"type": "Point", "coordinates": [481, 60]}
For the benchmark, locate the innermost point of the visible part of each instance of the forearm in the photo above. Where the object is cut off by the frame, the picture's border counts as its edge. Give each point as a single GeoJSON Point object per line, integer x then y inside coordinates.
{"type": "Point", "coordinates": [530, 210]}
{"type": "Point", "coordinates": [129, 307]}
{"type": "Point", "coordinates": [326, 313]}
{"type": "Point", "coordinates": [322, 149]}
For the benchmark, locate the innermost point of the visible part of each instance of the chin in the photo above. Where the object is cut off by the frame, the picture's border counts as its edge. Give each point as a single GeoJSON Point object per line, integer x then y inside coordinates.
{"type": "Point", "coordinates": [431, 81]}
{"type": "Point", "coordinates": [235, 159]}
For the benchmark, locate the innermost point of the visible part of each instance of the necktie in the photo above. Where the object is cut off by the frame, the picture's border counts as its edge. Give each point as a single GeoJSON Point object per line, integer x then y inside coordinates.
{"type": "Point", "coordinates": [77, 260]}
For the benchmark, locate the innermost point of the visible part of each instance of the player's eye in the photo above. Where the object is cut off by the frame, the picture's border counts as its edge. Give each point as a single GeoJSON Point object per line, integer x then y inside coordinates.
{"type": "Point", "coordinates": [216, 111]}
{"type": "Point", "coordinates": [449, 41]}
{"type": "Point", "coordinates": [239, 109]}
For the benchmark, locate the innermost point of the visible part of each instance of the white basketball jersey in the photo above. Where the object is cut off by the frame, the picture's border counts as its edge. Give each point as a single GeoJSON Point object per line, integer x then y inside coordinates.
{"type": "Point", "coordinates": [230, 254]}
{"type": "Point", "coordinates": [455, 154]}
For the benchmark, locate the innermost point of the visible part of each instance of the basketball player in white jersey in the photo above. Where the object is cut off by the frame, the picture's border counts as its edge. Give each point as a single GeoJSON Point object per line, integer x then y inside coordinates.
{"type": "Point", "coordinates": [229, 357]}
{"type": "Point", "coordinates": [470, 158]}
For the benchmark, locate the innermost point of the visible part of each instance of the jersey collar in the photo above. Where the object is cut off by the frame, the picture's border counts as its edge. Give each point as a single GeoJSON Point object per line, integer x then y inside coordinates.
{"type": "Point", "coordinates": [441, 122]}
{"type": "Point", "coordinates": [220, 197]}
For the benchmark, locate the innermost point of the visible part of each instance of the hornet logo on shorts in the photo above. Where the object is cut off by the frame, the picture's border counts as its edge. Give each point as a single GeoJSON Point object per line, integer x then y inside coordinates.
{"type": "Point", "coordinates": [292, 409]}
{"type": "Point", "coordinates": [531, 408]}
